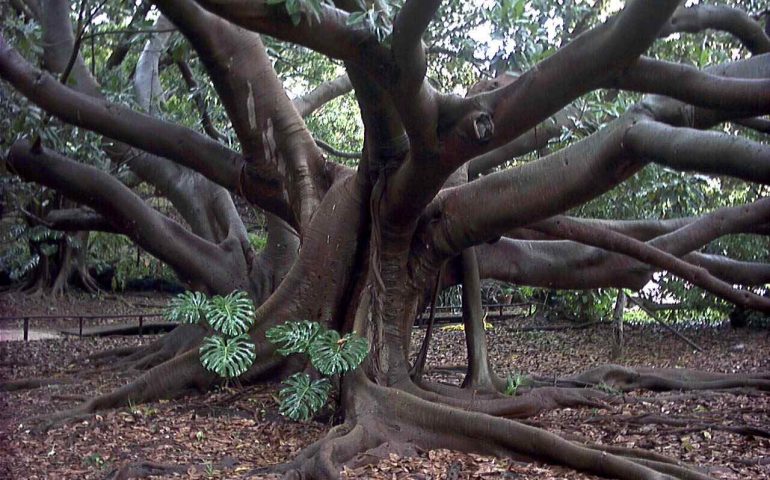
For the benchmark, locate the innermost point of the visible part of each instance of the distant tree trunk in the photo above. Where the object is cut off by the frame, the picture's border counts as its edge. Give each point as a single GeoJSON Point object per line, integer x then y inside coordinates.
{"type": "Point", "coordinates": [617, 325]}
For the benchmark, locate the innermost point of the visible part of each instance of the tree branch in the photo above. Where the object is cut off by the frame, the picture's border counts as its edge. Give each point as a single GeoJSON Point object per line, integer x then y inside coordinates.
{"type": "Point", "coordinates": [708, 152]}
{"type": "Point", "coordinates": [272, 134]}
{"type": "Point", "coordinates": [177, 143]}
{"type": "Point", "coordinates": [190, 256]}
{"type": "Point", "coordinates": [200, 103]}
{"type": "Point", "coordinates": [329, 34]}
{"type": "Point", "coordinates": [472, 126]}
{"type": "Point", "coordinates": [702, 89]}
{"type": "Point", "coordinates": [322, 94]}
{"type": "Point", "coordinates": [79, 219]}
{"type": "Point", "coordinates": [697, 18]}
{"type": "Point", "coordinates": [566, 264]}
{"type": "Point", "coordinates": [651, 255]}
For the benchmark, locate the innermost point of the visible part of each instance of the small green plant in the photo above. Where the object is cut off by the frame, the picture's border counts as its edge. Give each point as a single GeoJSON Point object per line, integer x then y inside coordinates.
{"type": "Point", "coordinates": [230, 352]}
{"type": "Point", "coordinates": [607, 388]}
{"type": "Point", "coordinates": [329, 353]}
{"type": "Point", "coordinates": [95, 460]}
{"type": "Point", "coordinates": [513, 383]}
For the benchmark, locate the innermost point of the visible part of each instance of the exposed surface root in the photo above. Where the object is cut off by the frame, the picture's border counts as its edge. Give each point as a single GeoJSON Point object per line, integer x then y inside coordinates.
{"type": "Point", "coordinates": [175, 343]}
{"type": "Point", "coordinates": [145, 469]}
{"type": "Point", "coordinates": [687, 424]}
{"type": "Point", "coordinates": [168, 380]}
{"type": "Point", "coordinates": [379, 416]}
{"type": "Point", "coordinates": [30, 383]}
{"type": "Point", "coordinates": [624, 379]}
{"type": "Point", "coordinates": [527, 404]}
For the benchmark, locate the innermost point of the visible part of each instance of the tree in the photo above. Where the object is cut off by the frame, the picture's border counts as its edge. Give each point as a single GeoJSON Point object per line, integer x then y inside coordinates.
{"type": "Point", "coordinates": [365, 248]}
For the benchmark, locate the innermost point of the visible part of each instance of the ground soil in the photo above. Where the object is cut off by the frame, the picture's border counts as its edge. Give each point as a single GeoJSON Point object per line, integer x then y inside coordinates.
{"type": "Point", "coordinates": [230, 432]}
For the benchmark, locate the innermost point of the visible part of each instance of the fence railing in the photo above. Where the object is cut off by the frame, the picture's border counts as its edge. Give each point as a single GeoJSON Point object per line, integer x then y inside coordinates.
{"type": "Point", "coordinates": [452, 312]}
{"type": "Point", "coordinates": [81, 318]}
{"type": "Point", "coordinates": [496, 309]}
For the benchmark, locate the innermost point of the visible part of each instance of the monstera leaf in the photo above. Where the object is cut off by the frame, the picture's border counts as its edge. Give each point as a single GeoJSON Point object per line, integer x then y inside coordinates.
{"type": "Point", "coordinates": [293, 337]}
{"type": "Point", "coordinates": [186, 307]}
{"type": "Point", "coordinates": [331, 354]}
{"type": "Point", "coordinates": [232, 314]}
{"type": "Point", "coordinates": [227, 357]}
{"type": "Point", "coordinates": [301, 397]}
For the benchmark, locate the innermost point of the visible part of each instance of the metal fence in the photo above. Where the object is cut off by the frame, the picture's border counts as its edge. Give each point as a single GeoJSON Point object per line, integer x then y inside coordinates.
{"type": "Point", "coordinates": [81, 318]}
{"type": "Point", "coordinates": [443, 315]}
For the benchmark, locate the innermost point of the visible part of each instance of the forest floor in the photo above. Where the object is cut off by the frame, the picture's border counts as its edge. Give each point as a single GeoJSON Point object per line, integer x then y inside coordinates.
{"type": "Point", "coordinates": [230, 432]}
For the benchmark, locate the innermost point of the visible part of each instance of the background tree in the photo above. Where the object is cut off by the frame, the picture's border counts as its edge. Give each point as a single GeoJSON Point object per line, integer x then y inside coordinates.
{"type": "Point", "coordinates": [362, 244]}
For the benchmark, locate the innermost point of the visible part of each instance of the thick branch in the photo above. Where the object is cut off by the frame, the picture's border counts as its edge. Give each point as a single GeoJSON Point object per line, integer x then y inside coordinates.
{"type": "Point", "coordinates": [649, 254]}
{"type": "Point", "coordinates": [493, 205]}
{"type": "Point", "coordinates": [189, 255]}
{"type": "Point", "coordinates": [747, 96]}
{"type": "Point", "coordinates": [78, 219]}
{"type": "Point", "coordinates": [177, 143]}
{"type": "Point", "coordinates": [274, 138]}
{"type": "Point", "coordinates": [492, 119]}
{"type": "Point", "coordinates": [330, 34]}
{"type": "Point", "coordinates": [322, 94]}
{"type": "Point", "coordinates": [709, 152]}
{"type": "Point", "coordinates": [698, 18]}
{"type": "Point", "coordinates": [530, 141]}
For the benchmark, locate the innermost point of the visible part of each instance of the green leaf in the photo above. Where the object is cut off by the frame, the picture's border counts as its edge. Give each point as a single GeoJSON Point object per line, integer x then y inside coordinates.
{"type": "Point", "coordinates": [27, 267]}
{"type": "Point", "coordinates": [293, 337]}
{"type": "Point", "coordinates": [187, 307]}
{"type": "Point", "coordinates": [232, 314]}
{"type": "Point", "coordinates": [331, 354]}
{"type": "Point", "coordinates": [301, 397]}
{"type": "Point", "coordinates": [227, 357]}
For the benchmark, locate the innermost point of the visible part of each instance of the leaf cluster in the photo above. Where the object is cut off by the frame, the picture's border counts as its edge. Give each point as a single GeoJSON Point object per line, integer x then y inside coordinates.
{"type": "Point", "coordinates": [329, 353]}
{"type": "Point", "coordinates": [230, 352]}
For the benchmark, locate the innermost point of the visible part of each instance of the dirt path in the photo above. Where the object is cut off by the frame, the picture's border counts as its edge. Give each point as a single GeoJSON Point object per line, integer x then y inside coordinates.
{"type": "Point", "coordinates": [226, 434]}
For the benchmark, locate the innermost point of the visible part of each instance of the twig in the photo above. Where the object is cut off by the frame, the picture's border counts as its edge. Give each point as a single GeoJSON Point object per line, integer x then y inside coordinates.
{"type": "Point", "coordinates": [664, 324]}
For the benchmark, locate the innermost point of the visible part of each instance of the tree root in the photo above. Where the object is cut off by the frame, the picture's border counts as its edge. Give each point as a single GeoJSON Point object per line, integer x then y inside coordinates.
{"type": "Point", "coordinates": [688, 424]}
{"type": "Point", "coordinates": [385, 417]}
{"type": "Point", "coordinates": [145, 469]}
{"type": "Point", "coordinates": [32, 383]}
{"type": "Point", "coordinates": [175, 343]}
{"type": "Point", "coordinates": [526, 404]}
{"type": "Point", "coordinates": [168, 380]}
{"type": "Point", "coordinates": [174, 378]}
{"type": "Point", "coordinates": [625, 379]}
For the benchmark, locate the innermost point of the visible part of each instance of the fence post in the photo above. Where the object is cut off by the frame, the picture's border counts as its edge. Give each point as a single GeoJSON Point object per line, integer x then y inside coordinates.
{"type": "Point", "coordinates": [141, 321]}
{"type": "Point", "coordinates": [26, 329]}
{"type": "Point", "coordinates": [80, 326]}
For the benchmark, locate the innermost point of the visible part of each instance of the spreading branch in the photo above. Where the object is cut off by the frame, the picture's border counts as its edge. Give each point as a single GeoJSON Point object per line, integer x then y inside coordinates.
{"type": "Point", "coordinates": [697, 18]}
